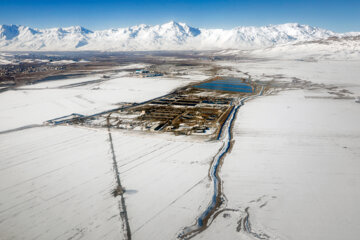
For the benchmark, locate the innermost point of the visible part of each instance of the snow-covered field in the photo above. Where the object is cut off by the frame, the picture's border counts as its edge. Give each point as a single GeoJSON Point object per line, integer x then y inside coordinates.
{"type": "Point", "coordinates": [292, 173]}
{"type": "Point", "coordinates": [34, 104]}
{"type": "Point", "coordinates": [295, 165]}
{"type": "Point", "coordinates": [294, 168]}
{"type": "Point", "coordinates": [57, 182]}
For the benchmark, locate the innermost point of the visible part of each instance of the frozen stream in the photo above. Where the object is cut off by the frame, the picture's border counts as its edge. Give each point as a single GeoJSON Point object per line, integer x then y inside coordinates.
{"type": "Point", "coordinates": [216, 200]}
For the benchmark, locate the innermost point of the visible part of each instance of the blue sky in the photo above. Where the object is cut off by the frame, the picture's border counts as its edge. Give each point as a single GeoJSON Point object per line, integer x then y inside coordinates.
{"type": "Point", "coordinates": [336, 15]}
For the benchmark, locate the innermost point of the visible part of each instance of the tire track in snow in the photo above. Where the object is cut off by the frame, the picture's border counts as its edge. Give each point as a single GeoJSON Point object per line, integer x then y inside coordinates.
{"type": "Point", "coordinates": [170, 204]}
{"type": "Point", "coordinates": [157, 156]}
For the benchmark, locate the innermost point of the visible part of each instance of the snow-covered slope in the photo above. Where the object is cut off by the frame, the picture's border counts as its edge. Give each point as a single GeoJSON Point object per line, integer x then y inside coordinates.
{"type": "Point", "coordinates": [342, 47]}
{"type": "Point", "coordinates": [168, 36]}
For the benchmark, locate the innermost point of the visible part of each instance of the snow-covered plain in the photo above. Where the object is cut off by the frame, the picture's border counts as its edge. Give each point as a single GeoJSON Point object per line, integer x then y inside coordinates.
{"type": "Point", "coordinates": [293, 167]}
{"type": "Point", "coordinates": [294, 164]}
{"type": "Point", "coordinates": [34, 104]}
{"type": "Point", "coordinates": [57, 182]}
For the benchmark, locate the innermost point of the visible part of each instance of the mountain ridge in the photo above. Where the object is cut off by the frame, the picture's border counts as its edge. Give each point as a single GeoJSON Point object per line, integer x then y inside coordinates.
{"type": "Point", "coordinates": [168, 36]}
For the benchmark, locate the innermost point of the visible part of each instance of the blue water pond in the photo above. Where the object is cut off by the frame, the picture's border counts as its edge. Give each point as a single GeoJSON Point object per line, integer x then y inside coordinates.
{"type": "Point", "coordinates": [227, 84]}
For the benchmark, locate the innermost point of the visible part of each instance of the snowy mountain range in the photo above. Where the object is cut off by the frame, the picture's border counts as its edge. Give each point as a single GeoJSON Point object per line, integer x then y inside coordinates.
{"type": "Point", "coordinates": [168, 36]}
